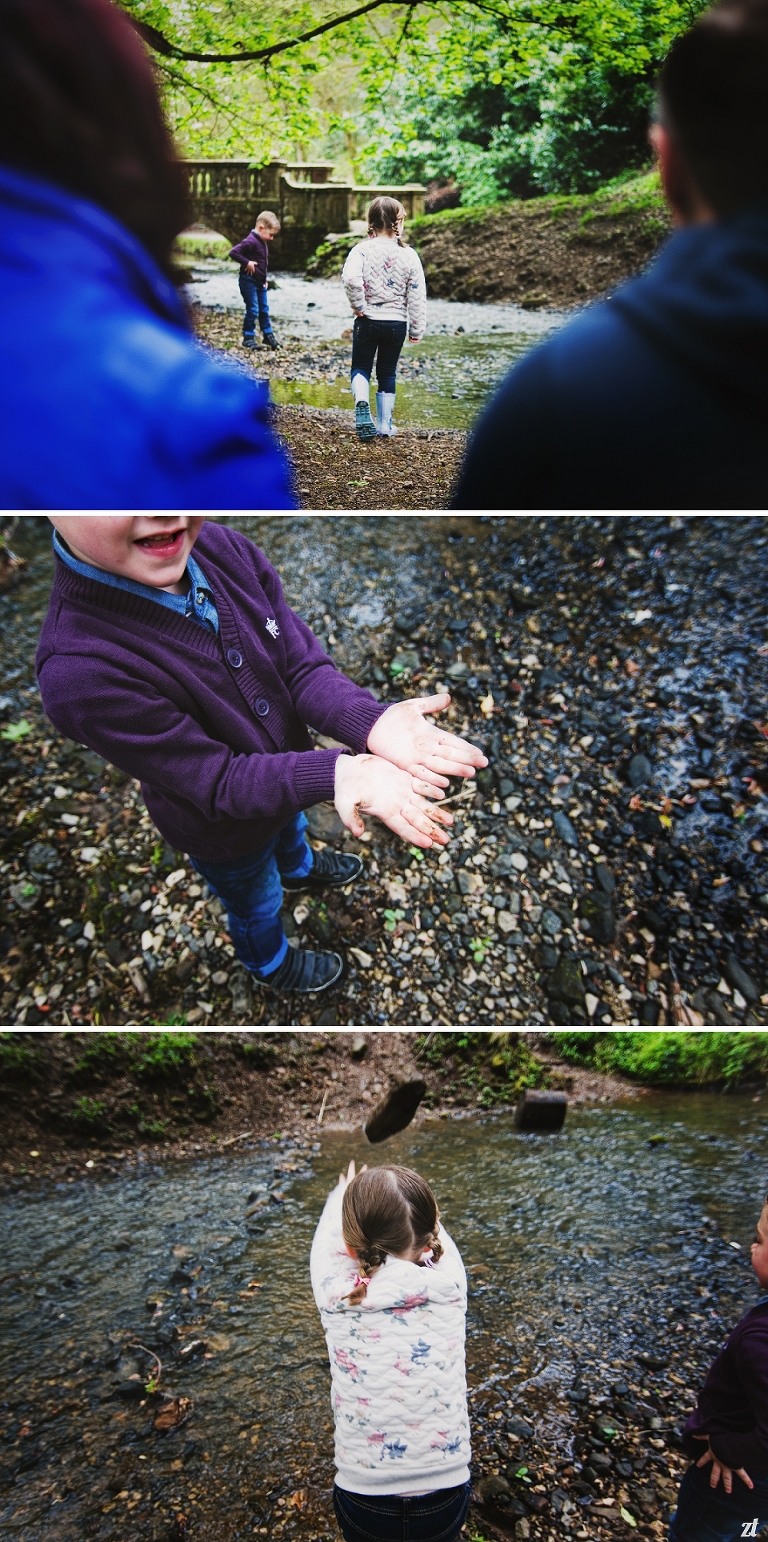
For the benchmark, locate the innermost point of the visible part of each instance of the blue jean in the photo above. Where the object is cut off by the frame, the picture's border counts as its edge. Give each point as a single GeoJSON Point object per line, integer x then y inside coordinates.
{"type": "Point", "coordinates": [387, 337]}
{"type": "Point", "coordinates": [251, 891]}
{"type": "Point", "coordinates": [707, 1514]}
{"type": "Point", "coordinates": [254, 292]}
{"type": "Point", "coordinates": [436, 1517]}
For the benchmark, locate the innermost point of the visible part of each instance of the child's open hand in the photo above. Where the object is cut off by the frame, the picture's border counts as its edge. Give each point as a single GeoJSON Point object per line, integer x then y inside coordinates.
{"type": "Point", "coordinates": [367, 784]}
{"type": "Point", "coordinates": [345, 1178]}
{"type": "Point", "coordinates": [719, 1469]}
{"type": "Point", "coordinates": [402, 736]}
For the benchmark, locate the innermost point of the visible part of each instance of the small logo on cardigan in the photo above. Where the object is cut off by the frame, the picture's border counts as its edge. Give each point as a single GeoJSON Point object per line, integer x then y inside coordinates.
{"type": "Point", "coordinates": [272, 627]}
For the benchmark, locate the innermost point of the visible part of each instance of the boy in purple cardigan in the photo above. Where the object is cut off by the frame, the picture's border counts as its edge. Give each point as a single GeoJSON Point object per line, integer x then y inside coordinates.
{"type": "Point", "coordinates": [731, 1418]}
{"type": "Point", "coordinates": [192, 674]}
{"type": "Point", "coordinates": [253, 257]}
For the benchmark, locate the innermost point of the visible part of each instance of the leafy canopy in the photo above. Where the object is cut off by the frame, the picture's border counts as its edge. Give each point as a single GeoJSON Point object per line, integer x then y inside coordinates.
{"type": "Point", "coordinates": [504, 96]}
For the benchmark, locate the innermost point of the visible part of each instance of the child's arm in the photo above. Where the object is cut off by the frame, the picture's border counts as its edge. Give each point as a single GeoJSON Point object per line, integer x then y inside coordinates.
{"type": "Point", "coordinates": [332, 1271]}
{"type": "Point", "coordinates": [417, 301]}
{"type": "Point", "coordinates": [749, 1450]}
{"type": "Point", "coordinates": [352, 279]}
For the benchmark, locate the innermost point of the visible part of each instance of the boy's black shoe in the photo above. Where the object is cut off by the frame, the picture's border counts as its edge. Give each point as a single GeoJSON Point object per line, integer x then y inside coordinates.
{"type": "Point", "coordinates": [305, 972]}
{"type": "Point", "coordinates": [250, 342]}
{"type": "Point", "coordinates": [270, 339]}
{"type": "Point", "coordinates": [330, 870]}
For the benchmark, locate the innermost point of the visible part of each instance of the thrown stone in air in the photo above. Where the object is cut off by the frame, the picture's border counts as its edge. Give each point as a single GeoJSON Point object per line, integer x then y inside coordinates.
{"type": "Point", "coordinates": [395, 1111]}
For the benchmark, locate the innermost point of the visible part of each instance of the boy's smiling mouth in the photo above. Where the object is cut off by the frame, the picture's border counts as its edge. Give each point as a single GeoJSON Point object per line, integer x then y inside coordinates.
{"type": "Point", "coordinates": [167, 543]}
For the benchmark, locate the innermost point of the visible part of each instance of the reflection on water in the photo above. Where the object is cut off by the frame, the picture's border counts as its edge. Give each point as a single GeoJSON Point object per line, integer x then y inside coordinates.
{"type": "Point", "coordinates": [580, 1250]}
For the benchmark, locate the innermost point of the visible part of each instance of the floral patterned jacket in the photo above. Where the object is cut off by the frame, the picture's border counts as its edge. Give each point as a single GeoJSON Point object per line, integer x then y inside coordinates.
{"type": "Point", "coordinates": [398, 1383]}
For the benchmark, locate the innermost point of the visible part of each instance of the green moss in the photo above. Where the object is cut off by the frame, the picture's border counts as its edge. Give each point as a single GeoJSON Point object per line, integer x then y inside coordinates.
{"type": "Point", "coordinates": [259, 1051]}
{"type": "Point", "coordinates": [487, 1068]}
{"type": "Point", "coordinates": [105, 1056]}
{"type": "Point", "coordinates": [88, 1115]}
{"type": "Point", "coordinates": [163, 1056]}
{"type": "Point", "coordinates": [20, 1055]}
{"type": "Point", "coordinates": [671, 1059]}
{"type": "Point", "coordinates": [201, 243]}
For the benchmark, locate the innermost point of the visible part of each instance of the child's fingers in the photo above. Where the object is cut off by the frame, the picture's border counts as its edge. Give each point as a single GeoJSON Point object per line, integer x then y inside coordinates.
{"type": "Point", "coordinates": [428, 785]}
{"type": "Point", "coordinates": [422, 820]}
{"type": "Point", "coordinates": [446, 765]}
{"type": "Point", "coordinates": [429, 704]}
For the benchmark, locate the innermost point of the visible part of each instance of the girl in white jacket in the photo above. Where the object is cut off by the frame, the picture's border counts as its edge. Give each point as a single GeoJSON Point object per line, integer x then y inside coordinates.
{"type": "Point", "coordinates": [392, 1293]}
{"type": "Point", "coordinates": [384, 283]}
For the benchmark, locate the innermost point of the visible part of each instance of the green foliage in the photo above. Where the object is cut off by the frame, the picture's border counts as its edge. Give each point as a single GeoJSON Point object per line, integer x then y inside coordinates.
{"type": "Point", "coordinates": [512, 97]}
{"type": "Point", "coordinates": [104, 1057]}
{"type": "Point", "coordinates": [149, 1057]}
{"type": "Point", "coordinates": [16, 731]}
{"type": "Point", "coordinates": [491, 1068]}
{"type": "Point", "coordinates": [20, 1055]}
{"type": "Point", "coordinates": [670, 1059]}
{"type": "Point", "coordinates": [163, 1056]}
{"type": "Point", "coordinates": [203, 243]}
{"type": "Point", "coordinates": [88, 1115]}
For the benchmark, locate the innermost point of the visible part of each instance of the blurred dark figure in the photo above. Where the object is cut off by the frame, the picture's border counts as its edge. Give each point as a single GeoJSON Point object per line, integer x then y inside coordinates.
{"type": "Point", "coordinates": [105, 399]}
{"type": "Point", "coordinates": [658, 397]}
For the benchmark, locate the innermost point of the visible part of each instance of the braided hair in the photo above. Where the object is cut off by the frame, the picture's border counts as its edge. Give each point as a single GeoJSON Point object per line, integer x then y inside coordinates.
{"type": "Point", "coordinates": [385, 214]}
{"type": "Point", "coordinates": [387, 1210]}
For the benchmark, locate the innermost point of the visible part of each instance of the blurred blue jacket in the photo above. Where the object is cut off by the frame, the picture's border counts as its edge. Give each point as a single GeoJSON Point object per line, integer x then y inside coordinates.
{"type": "Point", "coordinates": [656, 398]}
{"type": "Point", "coordinates": [106, 400]}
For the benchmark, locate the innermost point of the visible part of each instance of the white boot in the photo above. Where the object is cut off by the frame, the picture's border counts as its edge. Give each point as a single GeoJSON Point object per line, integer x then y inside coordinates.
{"type": "Point", "coordinates": [385, 406]}
{"type": "Point", "coordinates": [363, 420]}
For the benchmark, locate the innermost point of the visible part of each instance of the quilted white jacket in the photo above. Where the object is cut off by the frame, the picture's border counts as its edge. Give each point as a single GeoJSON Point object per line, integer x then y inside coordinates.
{"type": "Point", "coordinates": [398, 1384]}
{"type": "Point", "coordinates": [386, 282]}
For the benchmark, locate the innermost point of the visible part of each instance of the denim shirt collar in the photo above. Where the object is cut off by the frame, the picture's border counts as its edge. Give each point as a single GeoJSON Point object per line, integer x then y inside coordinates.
{"type": "Point", "coordinates": [197, 604]}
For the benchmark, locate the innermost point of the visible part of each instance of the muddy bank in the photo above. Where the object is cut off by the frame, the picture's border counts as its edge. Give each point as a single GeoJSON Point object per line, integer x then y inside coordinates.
{"type": "Point", "coordinates": [609, 867]}
{"type": "Point", "coordinates": [105, 1098]}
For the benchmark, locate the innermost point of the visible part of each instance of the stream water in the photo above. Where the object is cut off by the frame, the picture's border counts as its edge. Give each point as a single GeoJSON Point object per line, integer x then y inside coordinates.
{"type": "Point", "coordinates": [584, 1252]}
{"type": "Point", "coordinates": [444, 380]}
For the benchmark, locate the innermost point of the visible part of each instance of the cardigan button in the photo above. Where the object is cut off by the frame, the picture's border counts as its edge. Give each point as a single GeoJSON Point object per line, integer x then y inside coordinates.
{"type": "Point", "coordinates": [234, 658]}
{"type": "Point", "coordinates": [261, 707]}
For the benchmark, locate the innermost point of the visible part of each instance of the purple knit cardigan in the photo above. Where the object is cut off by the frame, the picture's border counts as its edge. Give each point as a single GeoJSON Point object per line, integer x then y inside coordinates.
{"type": "Point", "coordinates": [213, 727]}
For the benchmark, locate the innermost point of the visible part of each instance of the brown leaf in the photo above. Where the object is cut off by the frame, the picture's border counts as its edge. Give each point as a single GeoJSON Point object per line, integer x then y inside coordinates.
{"type": "Point", "coordinates": [174, 1413]}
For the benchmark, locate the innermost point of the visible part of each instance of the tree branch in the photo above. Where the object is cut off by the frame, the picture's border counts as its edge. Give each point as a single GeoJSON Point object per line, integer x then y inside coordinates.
{"type": "Point", "coordinates": [162, 44]}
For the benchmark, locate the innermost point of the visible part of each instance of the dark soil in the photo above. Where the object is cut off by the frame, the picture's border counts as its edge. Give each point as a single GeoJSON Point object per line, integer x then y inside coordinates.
{"type": "Point", "coordinates": [416, 470]}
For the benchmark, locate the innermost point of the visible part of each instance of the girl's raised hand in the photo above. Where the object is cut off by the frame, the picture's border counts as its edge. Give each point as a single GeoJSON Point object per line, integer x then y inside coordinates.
{"type": "Point", "coordinates": [345, 1178]}
{"type": "Point", "coordinates": [429, 753]}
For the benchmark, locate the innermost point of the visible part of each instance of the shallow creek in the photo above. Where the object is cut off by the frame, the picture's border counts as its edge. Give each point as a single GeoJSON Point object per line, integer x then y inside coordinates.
{"type": "Point", "coordinates": [584, 1252]}
{"type": "Point", "coordinates": [443, 380]}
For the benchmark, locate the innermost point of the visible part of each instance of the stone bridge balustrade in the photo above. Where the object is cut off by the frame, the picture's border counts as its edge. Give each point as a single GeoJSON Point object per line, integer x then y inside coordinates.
{"type": "Point", "coordinates": [228, 195]}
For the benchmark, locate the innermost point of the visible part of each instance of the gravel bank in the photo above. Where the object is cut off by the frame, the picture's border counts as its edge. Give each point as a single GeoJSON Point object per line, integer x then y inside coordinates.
{"type": "Point", "coordinates": [608, 867]}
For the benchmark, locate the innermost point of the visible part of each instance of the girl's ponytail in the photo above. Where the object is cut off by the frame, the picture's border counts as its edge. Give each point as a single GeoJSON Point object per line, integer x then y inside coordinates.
{"type": "Point", "coordinates": [369, 1258]}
